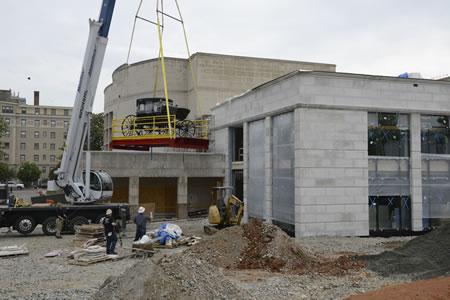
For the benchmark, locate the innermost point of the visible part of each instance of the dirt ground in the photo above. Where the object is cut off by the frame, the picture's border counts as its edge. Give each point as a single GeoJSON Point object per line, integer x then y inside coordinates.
{"type": "Point", "coordinates": [236, 263]}
{"type": "Point", "coordinates": [436, 289]}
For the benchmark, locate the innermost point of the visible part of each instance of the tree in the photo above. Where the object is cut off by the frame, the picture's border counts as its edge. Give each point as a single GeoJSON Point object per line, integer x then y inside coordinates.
{"type": "Point", "coordinates": [3, 129]}
{"type": "Point", "coordinates": [97, 125]}
{"type": "Point", "coordinates": [6, 173]}
{"type": "Point", "coordinates": [28, 172]}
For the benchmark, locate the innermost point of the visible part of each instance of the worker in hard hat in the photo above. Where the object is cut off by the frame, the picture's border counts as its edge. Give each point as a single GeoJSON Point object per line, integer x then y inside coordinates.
{"type": "Point", "coordinates": [141, 223]}
{"type": "Point", "coordinates": [110, 232]}
{"type": "Point", "coordinates": [60, 219]}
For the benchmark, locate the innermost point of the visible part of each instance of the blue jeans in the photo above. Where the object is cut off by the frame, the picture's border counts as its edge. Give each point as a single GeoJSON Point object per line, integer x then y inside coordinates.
{"type": "Point", "coordinates": [111, 243]}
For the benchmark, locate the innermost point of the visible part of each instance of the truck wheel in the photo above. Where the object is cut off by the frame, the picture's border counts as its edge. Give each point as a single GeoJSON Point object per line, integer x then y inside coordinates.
{"type": "Point", "coordinates": [25, 224]}
{"type": "Point", "coordinates": [49, 226]}
{"type": "Point", "coordinates": [79, 220]}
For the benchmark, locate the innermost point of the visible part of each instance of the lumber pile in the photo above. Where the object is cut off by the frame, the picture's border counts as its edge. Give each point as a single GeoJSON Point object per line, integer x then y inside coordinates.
{"type": "Point", "coordinates": [13, 250]}
{"type": "Point", "coordinates": [88, 256]}
{"type": "Point", "coordinates": [89, 235]}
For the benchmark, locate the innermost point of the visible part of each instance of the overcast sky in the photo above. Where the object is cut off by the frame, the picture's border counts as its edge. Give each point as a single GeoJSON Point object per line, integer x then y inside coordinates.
{"type": "Point", "coordinates": [45, 39]}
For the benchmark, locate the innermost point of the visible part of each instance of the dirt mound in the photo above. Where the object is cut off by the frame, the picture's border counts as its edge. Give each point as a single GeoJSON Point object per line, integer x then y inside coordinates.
{"type": "Point", "coordinates": [223, 248]}
{"type": "Point", "coordinates": [423, 257]}
{"type": "Point", "coordinates": [257, 245]}
{"type": "Point", "coordinates": [180, 276]}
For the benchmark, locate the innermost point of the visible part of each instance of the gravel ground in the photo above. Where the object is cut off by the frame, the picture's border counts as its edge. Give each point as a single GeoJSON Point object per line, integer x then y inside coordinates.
{"type": "Point", "coordinates": [36, 277]}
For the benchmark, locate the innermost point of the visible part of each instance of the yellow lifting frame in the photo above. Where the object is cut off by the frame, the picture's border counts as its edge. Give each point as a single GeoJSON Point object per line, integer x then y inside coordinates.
{"type": "Point", "coordinates": [163, 68]}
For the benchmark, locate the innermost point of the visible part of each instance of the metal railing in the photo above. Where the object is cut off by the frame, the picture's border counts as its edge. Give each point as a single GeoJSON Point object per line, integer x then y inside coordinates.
{"type": "Point", "coordinates": [157, 127]}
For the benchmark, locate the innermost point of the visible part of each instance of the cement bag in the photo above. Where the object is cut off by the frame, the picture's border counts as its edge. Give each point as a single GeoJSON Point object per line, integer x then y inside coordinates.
{"type": "Point", "coordinates": [144, 240]}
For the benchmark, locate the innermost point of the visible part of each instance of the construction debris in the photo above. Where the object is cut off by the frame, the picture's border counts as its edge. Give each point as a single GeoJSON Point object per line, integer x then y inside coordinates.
{"type": "Point", "coordinates": [13, 250]}
{"type": "Point", "coordinates": [54, 253]}
{"type": "Point", "coordinates": [89, 235]}
{"type": "Point", "coordinates": [90, 255]}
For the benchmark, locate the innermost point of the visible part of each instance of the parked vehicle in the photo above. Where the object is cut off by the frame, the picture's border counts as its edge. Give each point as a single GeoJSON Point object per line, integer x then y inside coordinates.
{"type": "Point", "coordinates": [25, 219]}
{"type": "Point", "coordinates": [13, 185]}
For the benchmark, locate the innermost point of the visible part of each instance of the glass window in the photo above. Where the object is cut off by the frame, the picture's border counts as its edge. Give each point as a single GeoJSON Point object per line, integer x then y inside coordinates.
{"type": "Point", "coordinates": [36, 134]}
{"type": "Point", "coordinates": [388, 134]}
{"type": "Point", "coordinates": [53, 112]}
{"type": "Point", "coordinates": [8, 121]}
{"type": "Point", "coordinates": [44, 145]}
{"type": "Point", "coordinates": [23, 134]}
{"type": "Point", "coordinates": [53, 135]}
{"type": "Point", "coordinates": [52, 147]}
{"type": "Point", "coordinates": [6, 146]}
{"type": "Point", "coordinates": [24, 110]}
{"type": "Point", "coordinates": [435, 134]}
{"type": "Point", "coordinates": [65, 135]}
{"type": "Point", "coordinates": [45, 111]}
{"type": "Point", "coordinates": [44, 170]}
{"type": "Point", "coordinates": [66, 124]}
{"type": "Point", "coordinates": [23, 146]}
{"type": "Point", "coordinates": [52, 158]}
{"type": "Point", "coordinates": [36, 146]}
{"type": "Point", "coordinates": [5, 156]}
{"type": "Point", "coordinates": [36, 157]}
{"type": "Point", "coordinates": [7, 133]}
{"type": "Point", "coordinates": [52, 123]}
{"type": "Point", "coordinates": [37, 123]}
{"type": "Point", "coordinates": [66, 112]}
{"type": "Point", "coordinates": [44, 157]}
{"type": "Point", "coordinates": [44, 122]}
{"type": "Point", "coordinates": [23, 123]}
{"type": "Point", "coordinates": [37, 111]}
{"type": "Point", "coordinates": [22, 157]}
{"type": "Point", "coordinates": [44, 134]}
{"type": "Point", "coordinates": [256, 166]}
{"type": "Point", "coordinates": [7, 109]}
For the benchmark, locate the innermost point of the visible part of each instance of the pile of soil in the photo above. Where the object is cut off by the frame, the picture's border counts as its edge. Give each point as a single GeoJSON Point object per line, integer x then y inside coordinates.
{"type": "Point", "coordinates": [257, 245]}
{"type": "Point", "coordinates": [180, 276]}
{"type": "Point", "coordinates": [426, 256]}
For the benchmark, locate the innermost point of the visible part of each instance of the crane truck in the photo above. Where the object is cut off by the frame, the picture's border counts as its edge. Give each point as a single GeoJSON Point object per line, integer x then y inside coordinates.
{"type": "Point", "coordinates": [82, 189]}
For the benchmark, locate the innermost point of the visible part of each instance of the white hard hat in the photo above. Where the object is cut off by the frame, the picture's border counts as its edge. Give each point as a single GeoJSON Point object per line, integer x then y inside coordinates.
{"type": "Point", "coordinates": [109, 211]}
{"type": "Point", "coordinates": [141, 210]}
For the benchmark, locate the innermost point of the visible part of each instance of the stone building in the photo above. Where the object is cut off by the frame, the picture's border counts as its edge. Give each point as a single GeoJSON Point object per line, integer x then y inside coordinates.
{"type": "Point", "coordinates": [178, 183]}
{"type": "Point", "coordinates": [36, 132]}
{"type": "Point", "coordinates": [328, 153]}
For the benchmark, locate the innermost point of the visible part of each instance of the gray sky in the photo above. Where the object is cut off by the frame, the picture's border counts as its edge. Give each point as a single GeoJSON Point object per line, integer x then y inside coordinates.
{"type": "Point", "coordinates": [45, 39]}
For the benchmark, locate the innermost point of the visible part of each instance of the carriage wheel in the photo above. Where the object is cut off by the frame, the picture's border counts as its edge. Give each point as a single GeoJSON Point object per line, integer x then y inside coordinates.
{"type": "Point", "coordinates": [129, 125]}
{"type": "Point", "coordinates": [186, 128]}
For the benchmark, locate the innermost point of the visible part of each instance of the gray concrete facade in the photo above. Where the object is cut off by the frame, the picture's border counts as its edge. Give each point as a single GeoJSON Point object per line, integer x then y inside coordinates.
{"type": "Point", "coordinates": [331, 140]}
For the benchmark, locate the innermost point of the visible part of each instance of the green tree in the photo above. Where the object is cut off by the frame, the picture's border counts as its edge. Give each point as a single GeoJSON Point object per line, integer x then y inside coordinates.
{"type": "Point", "coordinates": [28, 172]}
{"type": "Point", "coordinates": [97, 125]}
{"type": "Point", "coordinates": [6, 173]}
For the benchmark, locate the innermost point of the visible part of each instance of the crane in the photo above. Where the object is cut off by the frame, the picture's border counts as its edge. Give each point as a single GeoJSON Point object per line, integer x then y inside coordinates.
{"type": "Point", "coordinates": [88, 186]}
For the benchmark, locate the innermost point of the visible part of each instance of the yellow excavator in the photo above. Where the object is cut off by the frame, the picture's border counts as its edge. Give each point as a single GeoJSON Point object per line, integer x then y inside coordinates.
{"type": "Point", "coordinates": [225, 210]}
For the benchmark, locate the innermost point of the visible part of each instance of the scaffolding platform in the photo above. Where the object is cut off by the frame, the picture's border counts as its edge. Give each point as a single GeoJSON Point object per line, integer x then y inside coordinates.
{"type": "Point", "coordinates": [144, 144]}
{"type": "Point", "coordinates": [143, 133]}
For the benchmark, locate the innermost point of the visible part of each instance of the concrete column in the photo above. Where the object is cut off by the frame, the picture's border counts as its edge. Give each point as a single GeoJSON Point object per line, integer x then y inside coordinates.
{"type": "Point", "coordinates": [133, 193]}
{"type": "Point", "coordinates": [298, 229]}
{"type": "Point", "coordinates": [416, 173]}
{"type": "Point", "coordinates": [182, 197]}
{"type": "Point", "coordinates": [228, 157]}
{"type": "Point", "coordinates": [245, 171]}
{"type": "Point", "coordinates": [268, 169]}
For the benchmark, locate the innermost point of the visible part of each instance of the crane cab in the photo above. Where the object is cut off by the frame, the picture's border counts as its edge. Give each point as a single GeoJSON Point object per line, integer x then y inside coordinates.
{"type": "Point", "coordinates": [100, 185]}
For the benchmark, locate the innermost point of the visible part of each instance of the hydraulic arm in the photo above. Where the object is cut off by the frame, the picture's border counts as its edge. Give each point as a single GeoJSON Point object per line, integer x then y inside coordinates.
{"type": "Point", "coordinates": [93, 185]}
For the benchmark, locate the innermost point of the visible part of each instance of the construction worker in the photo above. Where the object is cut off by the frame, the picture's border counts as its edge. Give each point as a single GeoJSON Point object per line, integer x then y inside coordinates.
{"type": "Point", "coordinates": [110, 232]}
{"type": "Point", "coordinates": [60, 218]}
{"type": "Point", "coordinates": [141, 223]}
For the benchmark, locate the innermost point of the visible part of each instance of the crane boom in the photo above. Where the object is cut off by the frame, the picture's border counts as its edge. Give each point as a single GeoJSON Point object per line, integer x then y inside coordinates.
{"type": "Point", "coordinates": [69, 177]}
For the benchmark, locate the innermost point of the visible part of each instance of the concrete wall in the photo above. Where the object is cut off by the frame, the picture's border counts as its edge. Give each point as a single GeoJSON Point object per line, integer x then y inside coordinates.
{"type": "Point", "coordinates": [331, 169]}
